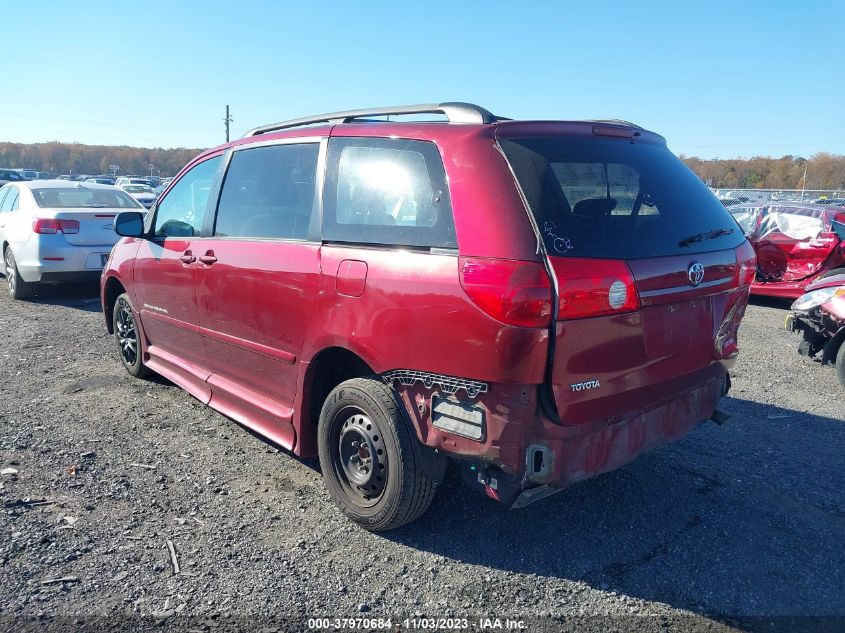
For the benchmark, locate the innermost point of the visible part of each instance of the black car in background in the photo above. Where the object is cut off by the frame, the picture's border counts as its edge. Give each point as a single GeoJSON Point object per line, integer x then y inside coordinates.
{"type": "Point", "coordinates": [10, 175]}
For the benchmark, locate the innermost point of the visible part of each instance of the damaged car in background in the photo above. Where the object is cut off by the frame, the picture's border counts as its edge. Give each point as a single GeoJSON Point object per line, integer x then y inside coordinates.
{"type": "Point", "coordinates": [819, 315]}
{"type": "Point", "coordinates": [796, 244]}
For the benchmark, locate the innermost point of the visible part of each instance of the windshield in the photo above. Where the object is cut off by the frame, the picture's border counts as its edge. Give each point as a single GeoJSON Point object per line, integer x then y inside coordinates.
{"type": "Point", "coordinates": [70, 197]}
{"type": "Point", "coordinates": [138, 189]}
{"type": "Point", "coordinates": [614, 199]}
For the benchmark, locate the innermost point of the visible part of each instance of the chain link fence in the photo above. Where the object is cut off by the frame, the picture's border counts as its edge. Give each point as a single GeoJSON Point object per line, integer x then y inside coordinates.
{"type": "Point", "coordinates": [731, 197]}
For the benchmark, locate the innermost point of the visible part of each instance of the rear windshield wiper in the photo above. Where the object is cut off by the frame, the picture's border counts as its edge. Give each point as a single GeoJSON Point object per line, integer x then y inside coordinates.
{"type": "Point", "coordinates": [700, 237]}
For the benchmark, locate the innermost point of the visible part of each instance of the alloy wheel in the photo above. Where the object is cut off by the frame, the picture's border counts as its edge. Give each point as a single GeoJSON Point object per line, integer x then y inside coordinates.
{"type": "Point", "coordinates": [127, 336]}
{"type": "Point", "coordinates": [11, 272]}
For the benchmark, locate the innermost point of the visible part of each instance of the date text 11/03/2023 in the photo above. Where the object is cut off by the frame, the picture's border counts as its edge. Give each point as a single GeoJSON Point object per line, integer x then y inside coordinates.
{"type": "Point", "coordinates": [418, 624]}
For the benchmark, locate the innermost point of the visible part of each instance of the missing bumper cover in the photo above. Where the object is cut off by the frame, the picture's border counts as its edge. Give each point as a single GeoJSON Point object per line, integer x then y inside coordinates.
{"type": "Point", "coordinates": [460, 418]}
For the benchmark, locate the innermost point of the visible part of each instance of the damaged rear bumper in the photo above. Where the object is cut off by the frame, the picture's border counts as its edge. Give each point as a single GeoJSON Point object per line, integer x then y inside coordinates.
{"type": "Point", "coordinates": [517, 455]}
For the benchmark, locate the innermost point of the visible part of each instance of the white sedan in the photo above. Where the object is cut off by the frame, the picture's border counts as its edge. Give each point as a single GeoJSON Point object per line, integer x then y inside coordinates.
{"type": "Point", "coordinates": [144, 194]}
{"type": "Point", "coordinates": [54, 230]}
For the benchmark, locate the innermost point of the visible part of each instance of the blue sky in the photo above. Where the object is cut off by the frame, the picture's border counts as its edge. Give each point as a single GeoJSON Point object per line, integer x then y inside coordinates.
{"type": "Point", "coordinates": [718, 79]}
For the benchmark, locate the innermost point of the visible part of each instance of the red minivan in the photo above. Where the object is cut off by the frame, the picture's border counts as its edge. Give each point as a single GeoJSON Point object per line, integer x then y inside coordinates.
{"type": "Point", "coordinates": [536, 301]}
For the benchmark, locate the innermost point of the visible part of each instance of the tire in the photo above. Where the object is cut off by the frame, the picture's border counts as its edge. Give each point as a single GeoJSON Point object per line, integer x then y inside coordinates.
{"type": "Point", "coordinates": [840, 364]}
{"type": "Point", "coordinates": [367, 457]}
{"type": "Point", "coordinates": [18, 288]}
{"type": "Point", "coordinates": [831, 273]}
{"type": "Point", "coordinates": [127, 338]}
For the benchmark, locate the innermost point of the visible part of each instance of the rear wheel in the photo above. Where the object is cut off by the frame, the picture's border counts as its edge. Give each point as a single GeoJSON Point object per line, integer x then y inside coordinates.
{"type": "Point", "coordinates": [840, 363]}
{"type": "Point", "coordinates": [18, 288]}
{"type": "Point", "coordinates": [367, 457]}
{"type": "Point", "coordinates": [127, 337]}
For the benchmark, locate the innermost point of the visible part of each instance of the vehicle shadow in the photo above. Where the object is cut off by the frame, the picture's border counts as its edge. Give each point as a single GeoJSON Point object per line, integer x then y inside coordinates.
{"type": "Point", "coordinates": [770, 302]}
{"type": "Point", "coordinates": [81, 296]}
{"type": "Point", "coordinates": [744, 519]}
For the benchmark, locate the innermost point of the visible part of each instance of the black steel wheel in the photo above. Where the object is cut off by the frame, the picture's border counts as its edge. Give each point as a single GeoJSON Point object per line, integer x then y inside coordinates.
{"type": "Point", "coordinates": [367, 456]}
{"type": "Point", "coordinates": [127, 337]}
{"type": "Point", "coordinates": [360, 460]}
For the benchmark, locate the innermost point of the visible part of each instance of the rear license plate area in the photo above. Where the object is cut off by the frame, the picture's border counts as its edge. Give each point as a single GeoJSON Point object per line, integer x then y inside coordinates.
{"type": "Point", "coordinates": [678, 327]}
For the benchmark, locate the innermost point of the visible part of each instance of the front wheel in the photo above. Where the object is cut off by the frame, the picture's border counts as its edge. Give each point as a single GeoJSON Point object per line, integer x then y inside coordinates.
{"type": "Point", "coordinates": [367, 457]}
{"type": "Point", "coordinates": [18, 288]}
{"type": "Point", "coordinates": [840, 363]}
{"type": "Point", "coordinates": [127, 337]}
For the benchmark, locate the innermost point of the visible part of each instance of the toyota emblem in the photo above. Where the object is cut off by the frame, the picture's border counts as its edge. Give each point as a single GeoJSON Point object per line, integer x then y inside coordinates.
{"type": "Point", "coordinates": [695, 272]}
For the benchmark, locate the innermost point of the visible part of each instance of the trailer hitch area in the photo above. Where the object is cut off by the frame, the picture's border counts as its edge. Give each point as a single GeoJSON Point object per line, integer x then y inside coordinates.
{"type": "Point", "coordinates": [720, 417]}
{"type": "Point", "coordinates": [530, 495]}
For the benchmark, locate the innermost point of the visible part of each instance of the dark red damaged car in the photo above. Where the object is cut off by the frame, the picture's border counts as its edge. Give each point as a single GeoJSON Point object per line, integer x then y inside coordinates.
{"type": "Point", "coordinates": [796, 244]}
{"type": "Point", "coordinates": [536, 301]}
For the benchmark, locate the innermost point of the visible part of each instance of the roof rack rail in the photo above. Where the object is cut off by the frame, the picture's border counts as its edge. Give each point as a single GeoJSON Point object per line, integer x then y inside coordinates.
{"type": "Point", "coordinates": [455, 112]}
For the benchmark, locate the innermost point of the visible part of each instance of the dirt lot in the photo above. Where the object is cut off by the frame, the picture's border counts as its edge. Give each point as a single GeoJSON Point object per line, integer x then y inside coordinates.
{"type": "Point", "coordinates": [734, 522]}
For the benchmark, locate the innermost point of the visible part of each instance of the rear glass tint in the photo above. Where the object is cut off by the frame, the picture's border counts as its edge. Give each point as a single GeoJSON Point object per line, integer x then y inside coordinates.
{"type": "Point", "coordinates": [614, 199]}
{"type": "Point", "coordinates": [72, 197]}
{"type": "Point", "coordinates": [387, 191]}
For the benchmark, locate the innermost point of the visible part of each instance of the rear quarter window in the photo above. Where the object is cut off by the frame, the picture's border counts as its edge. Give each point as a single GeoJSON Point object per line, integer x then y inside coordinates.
{"type": "Point", "coordinates": [617, 199]}
{"type": "Point", "coordinates": [387, 191]}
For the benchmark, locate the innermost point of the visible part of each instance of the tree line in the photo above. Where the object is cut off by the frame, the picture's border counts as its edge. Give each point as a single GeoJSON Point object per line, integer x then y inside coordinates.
{"type": "Point", "coordinates": [76, 158]}
{"type": "Point", "coordinates": [823, 170]}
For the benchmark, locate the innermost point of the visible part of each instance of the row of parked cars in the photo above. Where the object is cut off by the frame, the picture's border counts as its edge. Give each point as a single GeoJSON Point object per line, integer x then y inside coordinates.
{"type": "Point", "coordinates": [534, 302]}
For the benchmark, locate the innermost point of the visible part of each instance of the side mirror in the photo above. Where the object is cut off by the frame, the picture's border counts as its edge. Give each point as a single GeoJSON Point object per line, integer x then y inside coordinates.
{"type": "Point", "coordinates": [129, 224]}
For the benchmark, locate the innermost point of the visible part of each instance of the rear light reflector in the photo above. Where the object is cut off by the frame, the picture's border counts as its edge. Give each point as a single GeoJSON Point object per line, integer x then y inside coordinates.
{"type": "Point", "coordinates": [746, 264]}
{"type": "Point", "coordinates": [50, 226]}
{"type": "Point", "coordinates": [512, 292]}
{"type": "Point", "coordinates": [594, 287]}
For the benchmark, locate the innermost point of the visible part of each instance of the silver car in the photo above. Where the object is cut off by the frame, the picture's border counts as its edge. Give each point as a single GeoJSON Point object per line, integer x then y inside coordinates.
{"type": "Point", "coordinates": [54, 230]}
{"type": "Point", "coordinates": [144, 194]}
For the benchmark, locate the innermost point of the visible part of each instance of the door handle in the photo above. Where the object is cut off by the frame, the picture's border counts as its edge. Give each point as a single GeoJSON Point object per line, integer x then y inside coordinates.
{"type": "Point", "coordinates": [208, 259]}
{"type": "Point", "coordinates": [187, 258]}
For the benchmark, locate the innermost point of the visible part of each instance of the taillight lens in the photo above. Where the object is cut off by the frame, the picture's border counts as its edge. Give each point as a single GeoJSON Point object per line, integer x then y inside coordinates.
{"type": "Point", "coordinates": [746, 264]}
{"type": "Point", "coordinates": [513, 292]}
{"type": "Point", "coordinates": [594, 287]}
{"type": "Point", "coordinates": [50, 226]}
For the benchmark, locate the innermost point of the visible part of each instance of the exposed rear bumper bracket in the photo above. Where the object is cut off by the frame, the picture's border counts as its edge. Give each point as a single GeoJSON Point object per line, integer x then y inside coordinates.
{"type": "Point", "coordinates": [530, 495]}
{"type": "Point", "coordinates": [720, 417]}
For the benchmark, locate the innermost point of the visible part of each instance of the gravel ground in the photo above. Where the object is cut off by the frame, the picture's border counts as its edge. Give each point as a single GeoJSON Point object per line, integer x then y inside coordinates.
{"type": "Point", "coordinates": [735, 527]}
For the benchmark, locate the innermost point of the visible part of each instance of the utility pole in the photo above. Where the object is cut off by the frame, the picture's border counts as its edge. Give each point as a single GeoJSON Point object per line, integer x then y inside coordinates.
{"type": "Point", "coordinates": [803, 182]}
{"type": "Point", "coordinates": [227, 121]}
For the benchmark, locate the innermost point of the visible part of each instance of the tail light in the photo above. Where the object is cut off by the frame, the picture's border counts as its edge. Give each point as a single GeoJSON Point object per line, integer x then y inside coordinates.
{"type": "Point", "coordinates": [746, 264]}
{"type": "Point", "coordinates": [513, 292]}
{"type": "Point", "coordinates": [594, 287]}
{"type": "Point", "coordinates": [50, 226]}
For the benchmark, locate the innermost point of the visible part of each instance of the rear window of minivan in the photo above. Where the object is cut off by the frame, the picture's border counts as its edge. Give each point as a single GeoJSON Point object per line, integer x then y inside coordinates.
{"type": "Point", "coordinates": [617, 199]}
